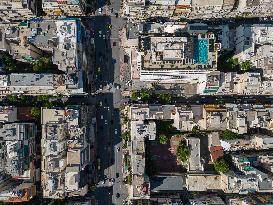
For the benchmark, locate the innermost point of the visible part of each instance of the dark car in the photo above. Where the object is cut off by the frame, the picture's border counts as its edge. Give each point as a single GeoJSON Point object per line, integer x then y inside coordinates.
{"type": "Point", "coordinates": [116, 14]}
{"type": "Point", "coordinates": [117, 175]}
{"type": "Point", "coordinates": [118, 195]}
{"type": "Point", "coordinates": [114, 43]}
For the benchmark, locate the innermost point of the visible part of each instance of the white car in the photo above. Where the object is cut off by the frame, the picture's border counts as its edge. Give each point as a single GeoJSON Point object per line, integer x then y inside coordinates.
{"type": "Point", "coordinates": [101, 117]}
{"type": "Point", "coordinates": [100, 10]}
{"type": "Point", "coordinates": [105, 122]}
{"type": "Point", "coordinates": [116, 131]}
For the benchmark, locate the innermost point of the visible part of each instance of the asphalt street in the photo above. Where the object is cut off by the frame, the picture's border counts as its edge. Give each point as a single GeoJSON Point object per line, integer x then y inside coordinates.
{"type": "Point", "coordinates": [106, 25]}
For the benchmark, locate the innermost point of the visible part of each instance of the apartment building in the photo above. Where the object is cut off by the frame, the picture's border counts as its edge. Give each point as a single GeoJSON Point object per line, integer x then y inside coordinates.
{"type": "Point", "coordinates": [178, 56]}
{"type": "Point", "coordinates": [29, 41]}
{"type": "Point", "coordinates": [250, 179]}
{"type": "Point", "coordinates": [18, 172]}
{"type": "Point", "coordinates": [208, 199]}
{"type": "Point", "coordinates": [64, 8]}
{"type": "Point", "coordinates": [12, 10]}
{"type": "Point", "coordinates": [139, 10]}
{"type": "Point", "coordinates": [68, 137]}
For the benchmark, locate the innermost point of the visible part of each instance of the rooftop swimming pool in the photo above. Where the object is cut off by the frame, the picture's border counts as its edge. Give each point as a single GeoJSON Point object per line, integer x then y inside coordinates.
{"type": "Point", "coordinates": [201, 51]}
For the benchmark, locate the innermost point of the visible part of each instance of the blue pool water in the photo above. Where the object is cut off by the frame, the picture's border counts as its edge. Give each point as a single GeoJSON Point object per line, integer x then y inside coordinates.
{"type": "Point", "coordinates": [201, 51]}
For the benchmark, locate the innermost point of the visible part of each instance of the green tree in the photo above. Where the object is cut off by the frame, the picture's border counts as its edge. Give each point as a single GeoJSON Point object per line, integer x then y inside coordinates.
{"type": "Point", "coordinates": [183, 152]}
{"type": "Point", "coordinates": [43, 98]}
{"type": "Point", "coordinates": [48, 104]}
{"type": "Point", "coordinates": [135, 95]}
{"type": "Point", "coordinates": [12, 98]}
{"type": "Point", "coordinates": [246, 65]}
{"type": "Point", "coordinates": [126, 136]}
{"type": "Point", "coordinates": [24, 99]}
{"type": "Point", "coordinates": [130, 179]}
{"type": "Point", "coordinates": [226, 62]}
{"type": "Point", "coordinates": [232, 63]}
{"type": "Point", "coordinates": [42, 65]}
{"type": "Point", "coordinates": [165, 97]}
{"type": "Point", "coordinates": [165, 127]}
{"type": "Point", "coordinates": [8, 62]}
{"type": "Point", "coordinates": [195, 130]}
{"type": "Point", "coordinates": [163, 139]}
{"type": "Point", "coordinates": [229, 135]}
{"type": "Point", "coordinates": [36, 113]}
{"type": "Point", "coordinates": [145, 94]}
{"type": "Point", "coordinates": [221, 165]}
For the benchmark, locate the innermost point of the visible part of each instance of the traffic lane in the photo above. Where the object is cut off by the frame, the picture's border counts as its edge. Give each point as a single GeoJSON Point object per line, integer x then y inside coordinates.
{"type": "Point", "coordinates": [104, 56]}
{"type": "Point", "coordinates": [107, 59]}
{"type": "Point", "coordinates": [102, 63]}
{"type": "Point", "coordinates": [105, 111]}
{"type": "Point", "coordinates": [103, 143]}
{"type": "Point", "coordinates": [104, 124]}
{"type": "Point", "coordinates": [104, 195]}
{"type": "Point", "coordinates": [118, 185]}
{"type": "Point", "coordinates": [117, 126]}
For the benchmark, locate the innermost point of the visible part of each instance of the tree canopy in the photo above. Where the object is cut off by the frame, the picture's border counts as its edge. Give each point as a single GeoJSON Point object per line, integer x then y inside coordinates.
{"type": "Point", "coordinates": [229, 135]}
{"type": "Point", "coordinates": [35, 112]}
{"type": "Point", "coordinates": [226, 62]}
{"type": "Point", "coordinates": [135, 95]}
{"type": "Point", "coordinates": [163, 139]}
{"type": "Point", "coordinates": [221, 165]}
{"type": "Point", "coordinates": [8, 61]}
{"type": "Point", "coordinates": [145, 94]}
{"type": "Point", "coordinates": [42, 98]}
{"type": "Point", "coordinates": [126, 136]}
{"type": "Point", "coordinates": [246, 65]}
{"type": "Point", "coordinates": [12, 98]}
{"type": "Point", "coordinates": [42, 65]}
{"type": "Point", "coordinates": [232, 63]}
{"type": "Point", "coordinates": [165, 128]}
{"type": "Point", "coordinates": [165, 97]}
{"type": "Point", "coordinates": [183, 152]}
